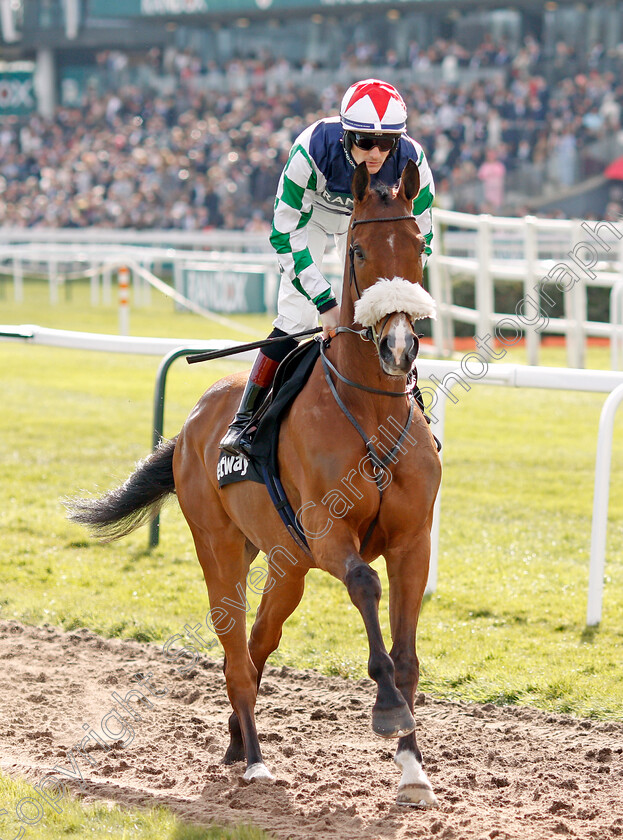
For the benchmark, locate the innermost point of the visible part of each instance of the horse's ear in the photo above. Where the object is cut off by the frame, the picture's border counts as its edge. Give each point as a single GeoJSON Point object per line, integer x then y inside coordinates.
{"type": "Point", "coordinates": [410, 181]}
{"type": "Point", "coordinates": [361, 182]}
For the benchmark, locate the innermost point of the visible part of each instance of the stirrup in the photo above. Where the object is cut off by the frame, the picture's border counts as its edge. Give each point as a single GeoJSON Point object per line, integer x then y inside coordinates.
{"type": "Point", "coordinates": [237, 440]}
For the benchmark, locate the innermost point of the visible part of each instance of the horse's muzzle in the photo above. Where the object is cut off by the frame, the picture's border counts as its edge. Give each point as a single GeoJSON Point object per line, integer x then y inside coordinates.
{"type": "Point", "coordinates": [398, 350]}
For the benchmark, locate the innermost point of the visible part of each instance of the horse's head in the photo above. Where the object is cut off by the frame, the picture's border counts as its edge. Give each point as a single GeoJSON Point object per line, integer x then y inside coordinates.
{"type": "Point", "coordinates": [385, 269]}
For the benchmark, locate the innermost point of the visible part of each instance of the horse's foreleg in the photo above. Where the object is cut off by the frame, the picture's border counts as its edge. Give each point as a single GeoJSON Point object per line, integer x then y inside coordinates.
{"type": "Point", "coordinates": [407, 580]}
{"type": "Point", "coordinates": [391, 717]}
{"type": "Point", "coordinates": [280, 598]}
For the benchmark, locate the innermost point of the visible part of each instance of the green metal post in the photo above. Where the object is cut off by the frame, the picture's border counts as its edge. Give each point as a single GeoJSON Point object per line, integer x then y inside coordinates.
{"type": "Point", "coordinates": [158, 424]}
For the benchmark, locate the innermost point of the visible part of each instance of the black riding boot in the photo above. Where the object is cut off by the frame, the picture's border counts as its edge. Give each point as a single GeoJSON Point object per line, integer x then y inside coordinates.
{"type": "Point", "coordinates": [234, 440]}
{"type": "Point", "coordinates": [237, 439]}
{"type": "Point", "coordinates": [260, 379]}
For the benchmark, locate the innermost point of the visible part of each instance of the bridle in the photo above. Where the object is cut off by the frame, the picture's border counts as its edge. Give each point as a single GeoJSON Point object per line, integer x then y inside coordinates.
{"type": "Point", "coordinates": [351, 251]}
{"type": "Point", "coordinates": [370, 334]}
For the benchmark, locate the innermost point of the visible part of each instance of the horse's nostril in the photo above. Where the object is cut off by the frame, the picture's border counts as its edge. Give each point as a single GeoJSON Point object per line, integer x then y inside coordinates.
{"type": "Point", "coordinates": [385, 350]}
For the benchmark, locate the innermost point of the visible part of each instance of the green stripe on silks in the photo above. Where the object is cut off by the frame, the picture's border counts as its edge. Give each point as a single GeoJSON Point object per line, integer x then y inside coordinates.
{"type": "Point", "coordinates": [322, 298]}
{"type": "Point", "coordinates": [305, 217]}
{"type": "Point", "coordinates": [302, 260]}
{"type": "Point", "coordinates": [312, 181]}
{"type": "Point", "coordinates": [421, 157]}
{"type": "Point", "coordinates": [292, 194]}
{"type": "Point", "coordinates": [297, 285]}
{"type": "Point", "coordinates": [428, 238]}
{"type": "Point", "coordinates": [423, 201]}
{"type": "Point", "coordinates": [280, 241]}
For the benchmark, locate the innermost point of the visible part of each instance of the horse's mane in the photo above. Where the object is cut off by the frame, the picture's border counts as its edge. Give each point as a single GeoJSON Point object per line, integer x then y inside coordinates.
{"type": "Point", "coordinates": [384, 193]}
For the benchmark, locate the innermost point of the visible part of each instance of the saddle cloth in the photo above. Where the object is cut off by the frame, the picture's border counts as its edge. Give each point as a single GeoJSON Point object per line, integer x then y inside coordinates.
{"type": "Point", "coordinates": [263, 466]}
{"type": "Point", "coordinates": [291, 376]}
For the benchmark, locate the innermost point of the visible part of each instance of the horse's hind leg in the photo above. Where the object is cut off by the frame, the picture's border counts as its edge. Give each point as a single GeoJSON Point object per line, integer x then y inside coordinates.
{"type": "Point", "coordinates": [407, 573]}
{"type": "Point", "coordinates": [226, 582]}
{"type": "Point", "coordinates": [280, 598]}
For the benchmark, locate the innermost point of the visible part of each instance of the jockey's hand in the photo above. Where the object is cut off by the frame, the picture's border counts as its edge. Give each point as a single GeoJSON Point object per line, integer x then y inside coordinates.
{"type": "Point", "coordinates": [330, 320]}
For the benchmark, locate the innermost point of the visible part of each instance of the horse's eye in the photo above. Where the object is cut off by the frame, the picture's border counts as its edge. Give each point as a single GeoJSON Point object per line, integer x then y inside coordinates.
{"type": "Point", "coordinates": [358, 252]}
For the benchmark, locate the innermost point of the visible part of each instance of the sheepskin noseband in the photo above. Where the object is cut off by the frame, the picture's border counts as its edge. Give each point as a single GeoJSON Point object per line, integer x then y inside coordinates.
{"type": "Point", "coordinates": [397, 295]}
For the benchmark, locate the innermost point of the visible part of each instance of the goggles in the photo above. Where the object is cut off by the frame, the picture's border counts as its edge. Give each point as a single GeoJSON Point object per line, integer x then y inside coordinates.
{"type": "Point", "coordinates": [384, 142]}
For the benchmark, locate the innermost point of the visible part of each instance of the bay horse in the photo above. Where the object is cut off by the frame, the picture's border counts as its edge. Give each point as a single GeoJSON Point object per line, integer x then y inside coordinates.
{"type": "Point", "coordinates": [356, 499]}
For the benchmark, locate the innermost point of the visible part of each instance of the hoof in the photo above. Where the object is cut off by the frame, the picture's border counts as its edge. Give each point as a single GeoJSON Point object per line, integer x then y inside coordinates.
{"type": "Point", "coordinates": [392, 723]}
{"type": "Point", "coordinates": [414, 789]}
{"type": "Point", "coordinates": [258, 772]}
{"type": "Point", "coordinates": [417, 796]}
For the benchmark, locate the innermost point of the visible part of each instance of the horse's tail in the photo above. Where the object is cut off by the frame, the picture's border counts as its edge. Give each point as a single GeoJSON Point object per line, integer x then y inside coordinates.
{"type": "Point", "coordinates": [136, 502]}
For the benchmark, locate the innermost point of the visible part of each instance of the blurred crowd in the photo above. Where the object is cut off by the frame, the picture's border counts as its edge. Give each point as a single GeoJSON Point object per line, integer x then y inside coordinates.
{"type": "Point", "coordinates": [204, 158]}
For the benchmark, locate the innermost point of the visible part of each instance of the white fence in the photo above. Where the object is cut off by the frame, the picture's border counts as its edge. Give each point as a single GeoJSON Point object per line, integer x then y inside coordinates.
{"type": "Point", "coordinates": [542, 254]}
{"type": "Point", "coordinates": [521, 376]}
{"type": "Point", "coordinates": [518, 376]}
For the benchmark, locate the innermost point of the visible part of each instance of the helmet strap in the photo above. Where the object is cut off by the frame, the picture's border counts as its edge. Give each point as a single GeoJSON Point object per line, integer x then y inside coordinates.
{"type": "Point", "coordinates": [347, 143]}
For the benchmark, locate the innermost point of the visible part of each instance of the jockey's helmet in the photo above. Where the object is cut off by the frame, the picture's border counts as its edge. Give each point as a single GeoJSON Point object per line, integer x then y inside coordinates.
{"type": "Point", "coordinates": [376, 108]}
{"type": "Point", "coordinates": [373, 106]}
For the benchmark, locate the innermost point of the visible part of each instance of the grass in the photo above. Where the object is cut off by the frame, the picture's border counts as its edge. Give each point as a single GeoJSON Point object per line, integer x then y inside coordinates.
{"type": "Point", "coordinates": [507, 623]}
{"type": "Point", "coordinates": [26, 810]}
{"type": "Point", "coordinates": [508, 617]}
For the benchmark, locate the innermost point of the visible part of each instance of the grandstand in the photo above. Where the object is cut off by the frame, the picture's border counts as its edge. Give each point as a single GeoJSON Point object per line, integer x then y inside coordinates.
{"type": "Point", "coordinates": [519, 109]}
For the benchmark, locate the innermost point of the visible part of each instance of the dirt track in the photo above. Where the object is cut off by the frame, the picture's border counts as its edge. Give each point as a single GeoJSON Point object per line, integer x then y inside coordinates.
{"type": "Point", "coordinates": [498, 772]}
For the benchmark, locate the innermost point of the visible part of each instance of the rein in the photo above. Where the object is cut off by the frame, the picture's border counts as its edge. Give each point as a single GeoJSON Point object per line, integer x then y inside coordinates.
{"type": "Point", "coordinates": [380, 463]}
{"type": "Point", "coordinates": [327, 364]}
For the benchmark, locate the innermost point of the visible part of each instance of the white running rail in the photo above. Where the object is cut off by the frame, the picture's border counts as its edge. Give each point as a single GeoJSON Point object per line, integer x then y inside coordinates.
{"type": "Point", "coordinates": [518, 376]}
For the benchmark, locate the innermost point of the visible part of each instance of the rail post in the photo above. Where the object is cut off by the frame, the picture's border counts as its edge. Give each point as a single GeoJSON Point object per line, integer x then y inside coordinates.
{"type": "Point", "coordinates": [484, 279]}
{"type": "Point", "coordinates": [600, 506]}
{"type": "Point", "coordinates": [532, 305]}
{"type": "Point", "coordinates": [123, 280]}
{"type": "Point", "coordinates": [434, 279]}
{"type": "Point", "coordinates": [158, 416]}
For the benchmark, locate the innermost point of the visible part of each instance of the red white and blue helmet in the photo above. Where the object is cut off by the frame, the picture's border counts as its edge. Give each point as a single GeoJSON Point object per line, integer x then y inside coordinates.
{"type": "Point", "coordinates": [373, 106]}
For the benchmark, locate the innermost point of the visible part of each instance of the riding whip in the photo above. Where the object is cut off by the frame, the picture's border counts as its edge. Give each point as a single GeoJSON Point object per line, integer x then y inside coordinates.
{"type": "Point", "coordinates": [252, 345]}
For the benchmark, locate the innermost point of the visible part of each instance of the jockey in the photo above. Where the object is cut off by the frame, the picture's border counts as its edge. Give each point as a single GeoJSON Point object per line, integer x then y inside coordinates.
{"type": "Point", "coordinates": [313, 201]}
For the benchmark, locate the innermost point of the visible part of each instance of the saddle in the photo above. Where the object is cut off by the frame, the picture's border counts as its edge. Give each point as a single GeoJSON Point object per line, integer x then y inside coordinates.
{"type": "Point", "coordinates": [262, 466]}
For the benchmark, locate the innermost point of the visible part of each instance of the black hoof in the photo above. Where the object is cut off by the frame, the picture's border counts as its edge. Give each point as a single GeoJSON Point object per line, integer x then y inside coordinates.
{"type": "Point", "coordinates": [393, 723]}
